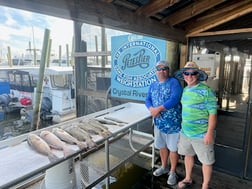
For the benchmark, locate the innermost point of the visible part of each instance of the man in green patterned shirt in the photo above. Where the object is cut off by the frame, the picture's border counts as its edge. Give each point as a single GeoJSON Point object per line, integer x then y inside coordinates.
{"type": "Point", "coordinates": [199, 117]}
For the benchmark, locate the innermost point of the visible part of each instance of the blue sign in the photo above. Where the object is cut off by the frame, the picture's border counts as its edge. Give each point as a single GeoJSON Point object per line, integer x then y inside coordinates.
{"type": "Point", "coordinates": [133, 65]}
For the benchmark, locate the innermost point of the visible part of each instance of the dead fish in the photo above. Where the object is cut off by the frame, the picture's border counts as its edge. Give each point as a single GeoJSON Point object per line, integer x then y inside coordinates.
{"type": "Point", "coordinates": [100, 126]}
{"type": "Point", "coordinates": [65, 136]}
{"type": "Point", "coordinates": [115, 120]}
{"type": "Point", "coordinates": [92, 130]}
{"type": "Point", "coordinates": [93, 125]}
{"type": "Point", "coordinates": [41, 146]}
{"type": "Point", "coordinates": [81, 135]}
{"type": "Point", "coordinates": [53, 141]}
{"type": "Point", "coordinates": [87, 128]}
{"type": "Point", "coordinates": [103, 121]}
{"type": "Point", "coordinates": [97, 124]}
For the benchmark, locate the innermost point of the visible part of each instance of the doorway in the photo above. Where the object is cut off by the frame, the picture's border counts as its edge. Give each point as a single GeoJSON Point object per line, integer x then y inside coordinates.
{"type": "Point", "coordinates": [229, 72]}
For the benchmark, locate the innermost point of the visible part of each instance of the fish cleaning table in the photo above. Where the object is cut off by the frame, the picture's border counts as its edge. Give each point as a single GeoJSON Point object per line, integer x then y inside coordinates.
{"type": "Point", "coordinates": [19, 162]}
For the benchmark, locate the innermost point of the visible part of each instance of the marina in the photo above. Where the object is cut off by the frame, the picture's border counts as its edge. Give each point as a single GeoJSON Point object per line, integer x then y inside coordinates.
{"type": "Point", "coordinates": [103, 79]}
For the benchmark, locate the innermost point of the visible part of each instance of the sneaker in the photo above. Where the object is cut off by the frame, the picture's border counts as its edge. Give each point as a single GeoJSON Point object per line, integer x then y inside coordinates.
{"type": "Point", "coordinates": [160, 171]}
{"type": "Point", "coordinates": [172, 178]}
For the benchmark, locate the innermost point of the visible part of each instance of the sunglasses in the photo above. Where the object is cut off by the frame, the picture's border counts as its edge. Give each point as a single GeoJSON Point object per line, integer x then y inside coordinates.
{"type": "Point", "coordinates": [190, 73]}
{"type": "Point", "coordinates": [162, 69]}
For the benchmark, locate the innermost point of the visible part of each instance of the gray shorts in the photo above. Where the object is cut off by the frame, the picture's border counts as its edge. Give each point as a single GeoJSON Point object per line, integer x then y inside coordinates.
{"type": "Point", "coordinates": [192, 146]}
{"type": "Point", "coordinates": [162, 140]}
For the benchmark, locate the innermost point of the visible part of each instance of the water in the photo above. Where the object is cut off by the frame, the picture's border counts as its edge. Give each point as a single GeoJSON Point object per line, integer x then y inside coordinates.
{"type": "Point", "coordinates": [128, 177]}
{"type": "Point", "coordinates": [12, 125]}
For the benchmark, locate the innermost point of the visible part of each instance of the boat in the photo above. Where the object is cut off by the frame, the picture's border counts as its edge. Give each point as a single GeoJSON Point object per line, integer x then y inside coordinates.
{"type": "Point", "coordinates": [58, 93]}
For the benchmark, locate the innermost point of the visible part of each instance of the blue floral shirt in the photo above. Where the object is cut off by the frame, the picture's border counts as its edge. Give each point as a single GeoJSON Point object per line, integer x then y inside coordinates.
{"type": "Point", "coordinates": [168, 94]}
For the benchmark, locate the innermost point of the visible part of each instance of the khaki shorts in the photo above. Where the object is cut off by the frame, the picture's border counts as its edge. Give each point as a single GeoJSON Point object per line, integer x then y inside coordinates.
{"type": "Point", "coordinates": [196, 146]}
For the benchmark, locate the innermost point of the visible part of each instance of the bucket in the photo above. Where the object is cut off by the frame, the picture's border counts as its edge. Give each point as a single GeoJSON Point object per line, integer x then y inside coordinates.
{"type": "Point", "coordinates": [61, 176]}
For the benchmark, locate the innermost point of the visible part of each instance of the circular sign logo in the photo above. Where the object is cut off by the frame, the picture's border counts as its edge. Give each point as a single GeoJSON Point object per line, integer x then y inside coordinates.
{"type": "Point", "coordinates": [133, 63]}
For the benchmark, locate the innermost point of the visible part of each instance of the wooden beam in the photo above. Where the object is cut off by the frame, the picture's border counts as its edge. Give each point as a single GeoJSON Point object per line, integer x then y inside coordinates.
{"type": "Point", "coordinates": [89, 92]}
{"type": "Point", "coordinates": [221, 11]}
{"type": "Point", "coordinates": [190, 11]}
{"type": "Point", "coordinates": [210, 22]}
{"type": "Point", "coordinates": [223, 32]}
{"type": "Point", "coordinates": [127, 4]}
{"type": "Point", "coordinates": [107, 1]}
{"type": "Point", "coordinates": [100, 13]}
{"type": "Point", "coordinates": [155, 6]}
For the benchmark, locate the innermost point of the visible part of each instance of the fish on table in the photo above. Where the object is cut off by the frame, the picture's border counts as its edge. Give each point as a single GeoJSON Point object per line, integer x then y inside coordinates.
{"type": "Point", "coordinates": [53, 141]}
{"type": "Point", "coordinates": [108, 122]}
{"type": "Point", "coordinates": [92, 130]}
{"type": "Point", "coordinates": [66, 137]}
{"type": "Point", "coordinates": [39, 145]}
{"type": "Point", "coordinates": [97, 124]}
{"type": "Point", "coordinates": [95, 127]}
{"type": "Point", "coordinates": [81, 135]}
{"type": "Point", "coordinates": [115, 120]}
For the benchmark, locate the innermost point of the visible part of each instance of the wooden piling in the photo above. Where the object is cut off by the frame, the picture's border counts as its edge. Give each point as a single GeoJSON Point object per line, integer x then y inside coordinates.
{"type": "Point", "coordinates": [39, 90]}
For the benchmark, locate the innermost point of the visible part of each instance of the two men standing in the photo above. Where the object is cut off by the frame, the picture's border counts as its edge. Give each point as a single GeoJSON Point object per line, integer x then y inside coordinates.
{"type": "Point", "coordinates": [199, 117]}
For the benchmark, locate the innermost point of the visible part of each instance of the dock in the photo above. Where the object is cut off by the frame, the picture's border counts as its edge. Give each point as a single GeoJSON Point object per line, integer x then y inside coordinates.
{"type": "Point", "coordinates": [148, 181]}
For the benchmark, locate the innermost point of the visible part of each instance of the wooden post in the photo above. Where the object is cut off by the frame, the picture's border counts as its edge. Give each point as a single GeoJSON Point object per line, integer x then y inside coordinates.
{"type": "Point", "coordinates": [34, 57]}
{"type": "Point", "coordinates": [183, 55]}
{"type": "Point", "coordinates": [173, 56]}
{"type": "Point", "coordinates": [39, 90]}
{"type": "Point", "coordinates": [60, 55]}
{"type": "Point", "coordinates": [9, 57]}
{"type": "Point", "coordinates": [80, 71]}
{"type": "Point", "coordinates": [104, 48]}
{"type": "Point", "coordinates": [48, 54]}
{"type": "Point", "coordinates": [72, 53]}
{"type": "Point", "coordinates": [67, 54]}
{"type": "Point", "coordinates": [96, 49]}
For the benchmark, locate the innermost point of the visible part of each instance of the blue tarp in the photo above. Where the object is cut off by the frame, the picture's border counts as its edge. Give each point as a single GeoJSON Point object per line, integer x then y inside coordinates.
{"type": "Point", "coordinates": [4, 87]}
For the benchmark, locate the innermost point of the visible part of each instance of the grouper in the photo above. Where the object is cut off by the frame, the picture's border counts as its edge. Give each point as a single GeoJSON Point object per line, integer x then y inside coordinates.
{"type": "Point", "coordinates": [39, 145]}
{"type": "Point", "coordinates": [65, 136]}
{"type": "Point", "coordinates": [53, 141]}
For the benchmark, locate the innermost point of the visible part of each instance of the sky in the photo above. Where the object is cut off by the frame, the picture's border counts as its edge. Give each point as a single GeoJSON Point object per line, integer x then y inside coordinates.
{"type": "Point", "coordinates": [19, 28]}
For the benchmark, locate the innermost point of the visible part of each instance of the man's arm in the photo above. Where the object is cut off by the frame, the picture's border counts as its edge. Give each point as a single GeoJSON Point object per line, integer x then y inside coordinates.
{"type": "Point", "coordinates": [209, 137]}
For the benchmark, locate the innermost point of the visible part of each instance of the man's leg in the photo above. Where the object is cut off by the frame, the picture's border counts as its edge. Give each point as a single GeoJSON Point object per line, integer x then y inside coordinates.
{"type": "Point", "coordinates": [207, 173]}
{"type": "Point", "coordinates": [172, 178]}
{"type": "Point", "coordinates": [189, 163]}
{"type": "Point", "coordinates": [164, 153]}
{"type": "Point", "coordinates": [174, 160]}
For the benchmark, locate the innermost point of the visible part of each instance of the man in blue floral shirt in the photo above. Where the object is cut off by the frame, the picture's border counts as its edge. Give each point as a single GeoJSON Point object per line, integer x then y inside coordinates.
{"type": "Point", "coordinates": [163, 102]}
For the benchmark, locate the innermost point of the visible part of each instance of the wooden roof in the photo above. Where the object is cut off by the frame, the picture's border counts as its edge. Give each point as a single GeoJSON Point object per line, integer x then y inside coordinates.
{"type": "Point", "coordinates": [168, 19]}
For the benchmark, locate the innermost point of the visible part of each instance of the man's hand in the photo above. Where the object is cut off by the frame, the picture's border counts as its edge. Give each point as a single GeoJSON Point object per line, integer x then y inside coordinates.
{"type": "Point", "coordinates": [209, 138]}
{"type": "Point", "coordinates": [155, 112]}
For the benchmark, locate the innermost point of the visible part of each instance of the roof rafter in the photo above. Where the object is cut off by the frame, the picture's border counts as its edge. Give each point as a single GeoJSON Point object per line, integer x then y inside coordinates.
{"type": "Point", "coordinates": [155, 6]}
{"type": "Point", "coordinates": [220, 16]}
{"type": "Point", "coordinates": [223, 32]}
{"type": "Point", "coordinates": [190, 11]}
